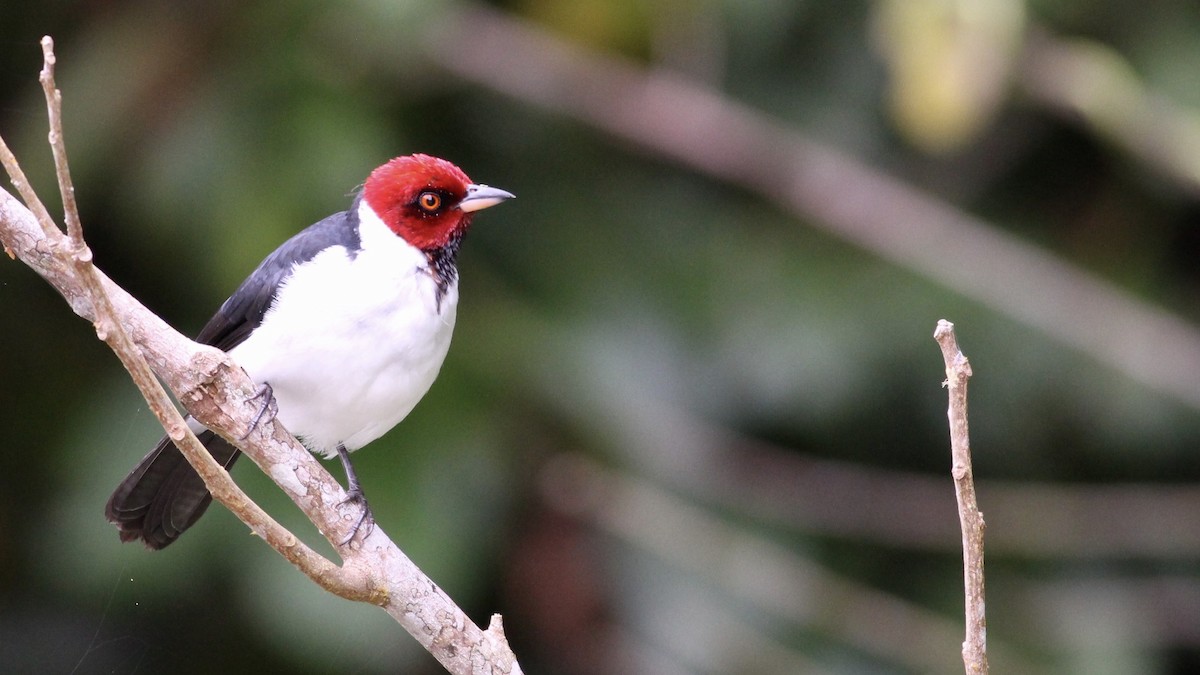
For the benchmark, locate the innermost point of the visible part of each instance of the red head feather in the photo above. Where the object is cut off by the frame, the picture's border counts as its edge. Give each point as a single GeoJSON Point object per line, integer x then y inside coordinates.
{"type": "Point", "coordinates": [417, 197]}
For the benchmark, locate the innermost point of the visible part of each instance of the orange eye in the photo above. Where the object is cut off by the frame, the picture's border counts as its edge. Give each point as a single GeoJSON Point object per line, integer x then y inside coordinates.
{"type": "Point", "coordinates": [429, 201]}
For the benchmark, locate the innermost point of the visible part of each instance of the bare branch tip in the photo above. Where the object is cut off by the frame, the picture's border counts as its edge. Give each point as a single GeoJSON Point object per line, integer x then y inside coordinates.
{"type": "Point", "coordinates": [943, 328]}
{"type": "Point", "coordinates": [496, 626]}
{"type": "Point", "coordinates": [48, 58]}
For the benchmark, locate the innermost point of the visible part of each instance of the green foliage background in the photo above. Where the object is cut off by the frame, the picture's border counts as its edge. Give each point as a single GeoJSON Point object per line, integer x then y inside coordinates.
{"type": "Point", "coordinates": [623, 312]}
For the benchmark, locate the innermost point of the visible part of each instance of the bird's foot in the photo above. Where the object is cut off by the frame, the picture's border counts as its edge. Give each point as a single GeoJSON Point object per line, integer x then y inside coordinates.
{"type": "Point", "coordinates": [267, 403]}
{"type": "Point", "coordinates": [355, 494]}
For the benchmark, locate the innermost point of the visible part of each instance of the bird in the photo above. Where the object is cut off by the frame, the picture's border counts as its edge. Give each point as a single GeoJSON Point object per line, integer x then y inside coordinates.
{"type": "Point", "coordinates": [343, 328]}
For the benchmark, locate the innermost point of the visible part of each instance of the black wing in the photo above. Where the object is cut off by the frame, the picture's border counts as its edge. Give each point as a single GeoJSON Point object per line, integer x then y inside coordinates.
{"type": "Point", "coordinates": [244, 310]}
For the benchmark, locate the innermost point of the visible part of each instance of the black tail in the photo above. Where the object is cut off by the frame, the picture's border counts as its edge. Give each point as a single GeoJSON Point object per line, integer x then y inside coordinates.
{"type": "Point", "coordinates": [163, 495]}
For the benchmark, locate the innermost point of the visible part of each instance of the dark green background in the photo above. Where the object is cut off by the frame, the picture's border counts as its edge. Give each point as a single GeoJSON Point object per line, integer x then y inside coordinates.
{"type": "Point", "coordinates": [627, 311]}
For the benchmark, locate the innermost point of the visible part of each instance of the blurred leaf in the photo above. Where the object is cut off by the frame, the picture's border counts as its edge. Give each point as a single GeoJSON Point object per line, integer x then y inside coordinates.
{"type": "Point", "coordinates": [950, 62]}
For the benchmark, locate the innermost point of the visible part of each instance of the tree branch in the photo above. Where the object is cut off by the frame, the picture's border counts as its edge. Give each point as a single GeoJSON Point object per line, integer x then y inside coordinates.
{"type": "Point", "coordinates": [958, 370]}
{"type": "Point", "coordinates": [218, 394]}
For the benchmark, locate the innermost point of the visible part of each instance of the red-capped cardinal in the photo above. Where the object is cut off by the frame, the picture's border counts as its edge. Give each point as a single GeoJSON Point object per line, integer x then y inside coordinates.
{"type": "Point", "coordinates": [344, 327]}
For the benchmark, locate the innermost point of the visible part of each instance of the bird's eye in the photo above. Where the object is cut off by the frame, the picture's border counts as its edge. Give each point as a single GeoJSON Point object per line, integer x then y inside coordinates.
{"type": "Point", "coordinates": [429, 201]}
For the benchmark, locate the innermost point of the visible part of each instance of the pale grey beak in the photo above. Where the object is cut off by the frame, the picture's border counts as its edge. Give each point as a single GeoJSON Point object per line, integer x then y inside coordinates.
{"type": "Point", "coordinates": [481, 196]}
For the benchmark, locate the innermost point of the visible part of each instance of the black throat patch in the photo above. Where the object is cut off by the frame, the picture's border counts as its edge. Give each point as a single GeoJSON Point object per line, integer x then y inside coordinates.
{"type": "Point", "coordinates": [443, 267]}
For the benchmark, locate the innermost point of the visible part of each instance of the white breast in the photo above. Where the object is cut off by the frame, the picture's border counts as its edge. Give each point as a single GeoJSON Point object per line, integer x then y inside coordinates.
{"type": "Point", "coordinates": [352, 344]}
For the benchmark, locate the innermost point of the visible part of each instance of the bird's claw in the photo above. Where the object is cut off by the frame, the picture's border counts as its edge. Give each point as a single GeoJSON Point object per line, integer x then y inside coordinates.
{"type": "Point", "coordinates": [268, 403]}
{"type": "Point", "coordinates": [367, 518]}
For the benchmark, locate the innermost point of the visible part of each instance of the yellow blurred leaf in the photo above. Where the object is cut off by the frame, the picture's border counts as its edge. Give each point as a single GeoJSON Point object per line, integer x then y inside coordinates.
{"type": "Point", "coordinates": [949, 62]}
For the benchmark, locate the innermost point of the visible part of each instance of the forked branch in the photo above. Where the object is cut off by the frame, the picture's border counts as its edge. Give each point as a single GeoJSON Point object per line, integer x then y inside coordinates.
{"type": "Point", "coordinates": [218, 393]}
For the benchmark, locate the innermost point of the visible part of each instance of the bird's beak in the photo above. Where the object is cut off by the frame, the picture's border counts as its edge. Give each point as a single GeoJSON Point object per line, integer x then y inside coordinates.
{"type": "Point", "coordinates": [482, 196]}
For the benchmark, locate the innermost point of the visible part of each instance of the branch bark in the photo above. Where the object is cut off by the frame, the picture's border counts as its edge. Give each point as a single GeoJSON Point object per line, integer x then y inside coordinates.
{"type": "Point", "coordinates": [218, 393]}
{"type": "Point", "coordinates": [958, 370]}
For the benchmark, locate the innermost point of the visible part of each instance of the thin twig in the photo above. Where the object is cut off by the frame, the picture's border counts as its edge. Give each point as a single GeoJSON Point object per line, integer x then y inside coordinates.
{"type": "Point", "coordinates": [54, 110]}
{"type": "Point", "coordinates": [958, 370]}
